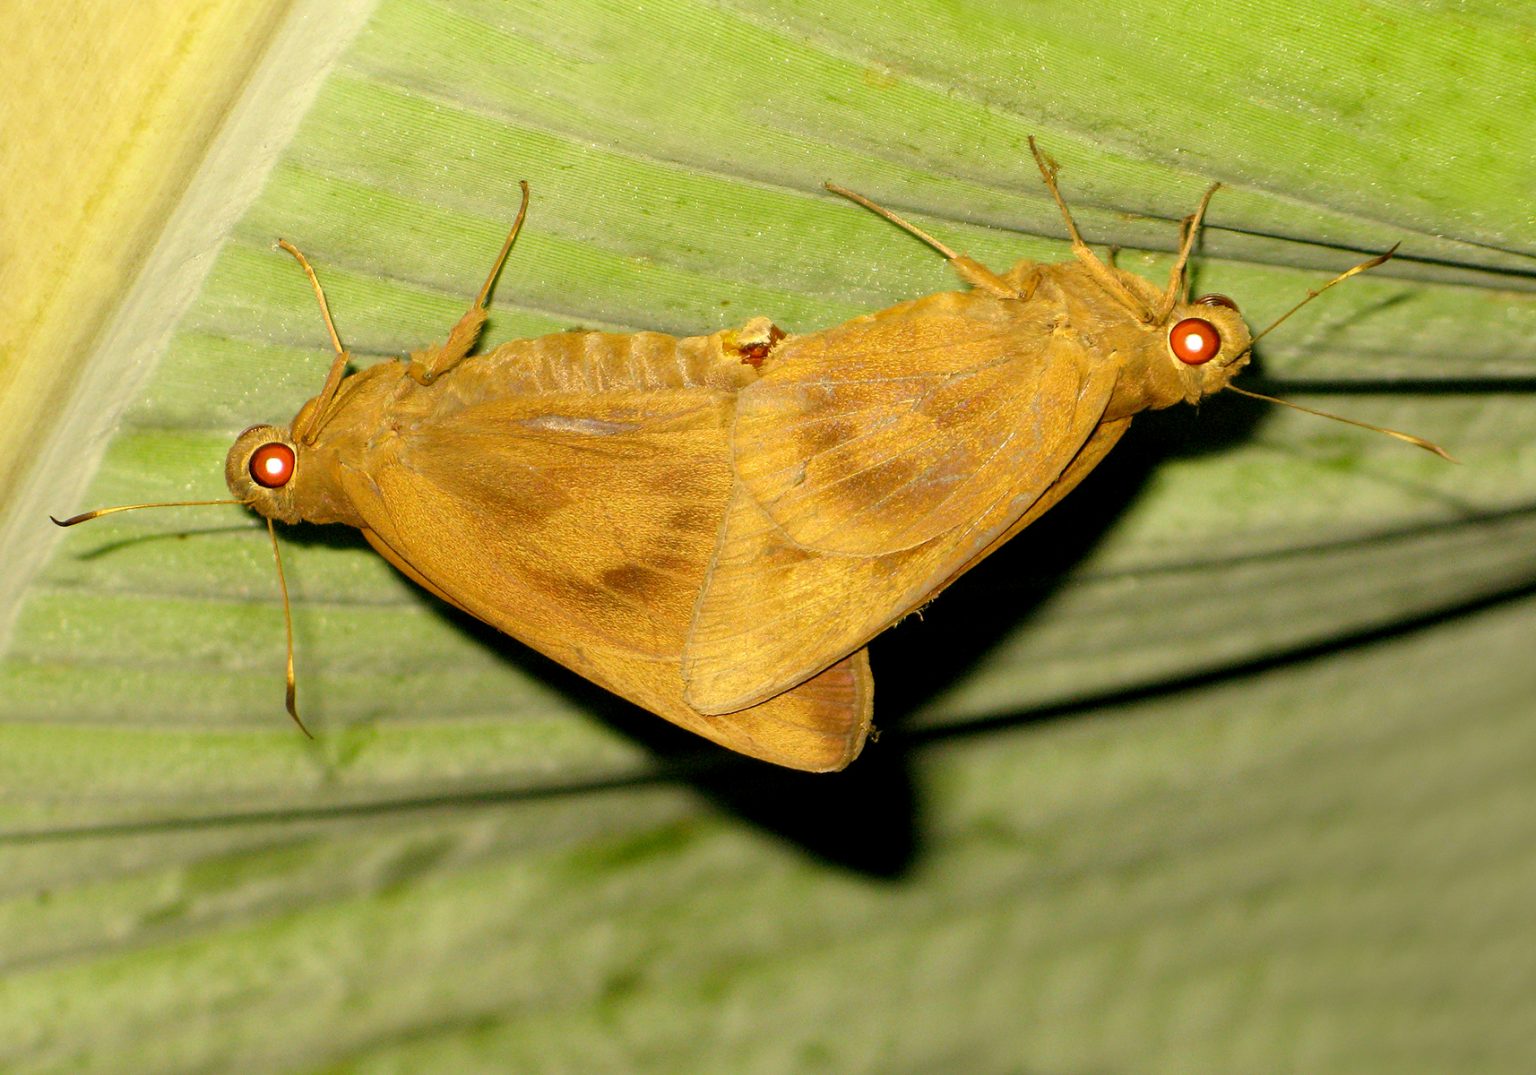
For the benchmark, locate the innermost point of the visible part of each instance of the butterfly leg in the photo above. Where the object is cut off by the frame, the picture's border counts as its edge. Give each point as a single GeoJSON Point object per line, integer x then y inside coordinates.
{"type": "Point", "coordinates": [972, 272]}
{"type": "Point", "coordinates": [1101, 272]}
{"type": "Point", "coordinates": [1178, 279]}
{"type": "Point", "coordinates": [426, 366]}
{"type": "Point", "coordinates": [984, 279]}
{"type": "Point", "coordinates": [1023, 278]}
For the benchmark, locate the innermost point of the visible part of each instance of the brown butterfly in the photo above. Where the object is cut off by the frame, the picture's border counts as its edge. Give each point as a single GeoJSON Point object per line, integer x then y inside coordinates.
{"type": "Point", "coordinates": [567, 490]}
{"type": "Point", "coordinates": [879, 460]}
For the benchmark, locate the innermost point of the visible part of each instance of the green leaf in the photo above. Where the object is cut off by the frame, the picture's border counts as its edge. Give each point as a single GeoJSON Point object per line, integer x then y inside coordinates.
{"type": "Point", "coordinates": [1225, 766]}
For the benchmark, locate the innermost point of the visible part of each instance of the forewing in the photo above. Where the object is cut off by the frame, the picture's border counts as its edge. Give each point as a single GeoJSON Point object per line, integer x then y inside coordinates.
{"type": "Point", "coordinates": [796, 610]}
{"type": "Point", "coordinates": [583, 524]}
{"type": "Point", "coordinates": [1105, 437]}
{"type": "Point", "coordinates": [888, 431]}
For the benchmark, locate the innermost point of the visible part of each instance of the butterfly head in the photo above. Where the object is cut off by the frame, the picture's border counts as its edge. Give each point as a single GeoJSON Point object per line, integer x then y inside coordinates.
{"type": "Point", "coordinates": [262, 471]}
{"type": "Point", "coordinates": [1207, 342]}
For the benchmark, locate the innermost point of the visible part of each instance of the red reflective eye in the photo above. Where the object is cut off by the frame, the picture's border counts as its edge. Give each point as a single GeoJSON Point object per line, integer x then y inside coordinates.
{"type": "Point", "coordinates": [272, 465]}
{"type": "Point", "coordinates": [1194, 340]}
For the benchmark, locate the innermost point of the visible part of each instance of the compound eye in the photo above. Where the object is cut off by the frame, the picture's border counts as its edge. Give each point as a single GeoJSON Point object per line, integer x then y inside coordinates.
{"type": "Point", "coordinates": [1216, 300]}
{"type": "Point", "coordinates": [272, 465]}
{"type": "Point", "coordinates": [1194, 341]}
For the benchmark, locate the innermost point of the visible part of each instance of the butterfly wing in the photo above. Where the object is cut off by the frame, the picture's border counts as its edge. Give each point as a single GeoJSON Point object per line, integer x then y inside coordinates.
{"type": "Point", "coordinates": [885, 432]}
{"type": "Point", "coordinates": [1105, 437]}
{"type": "Point", "coordinates": [582, 523]}
{"type": "Point", "coordinates": [797, 608]}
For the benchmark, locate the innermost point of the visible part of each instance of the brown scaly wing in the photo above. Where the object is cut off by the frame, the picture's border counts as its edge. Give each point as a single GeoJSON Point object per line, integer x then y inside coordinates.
{"type": "Point", "coordinates": [795, 610]}
{"type": "Point", "coordinates": [1105, 437]}
{"type": "Point", "coordinates": [890, 430]}
{"type": "Point", "coordinates": [582, 524]}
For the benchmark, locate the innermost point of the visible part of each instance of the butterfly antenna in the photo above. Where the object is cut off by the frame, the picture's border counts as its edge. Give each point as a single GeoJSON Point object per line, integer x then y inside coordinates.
{"type": "Point", "coordinates": [1379, 259]}
{"type": "Point", "coordinates": [87, 516]}
{"type": "Point", "coordinates": [290, 693]}
{"type": "Point", "coordinates": [1408, 438]}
